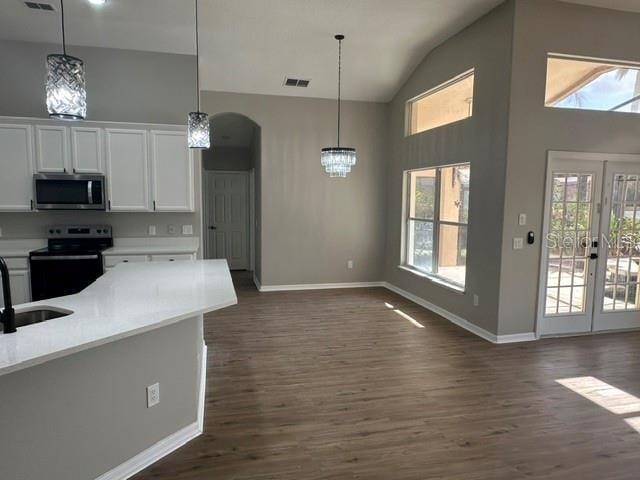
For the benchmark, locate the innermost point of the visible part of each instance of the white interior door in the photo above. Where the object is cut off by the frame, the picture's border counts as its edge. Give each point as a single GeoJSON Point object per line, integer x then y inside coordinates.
{"type": "Point", "coordinates": [569, 254]}
{"type": "Point", "coordinates": [617, 287]}
{"type": "Point", "coordinates": [228, 225]}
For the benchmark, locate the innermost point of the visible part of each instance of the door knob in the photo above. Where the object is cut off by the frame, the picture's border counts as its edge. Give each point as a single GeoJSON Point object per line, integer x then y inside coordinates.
{"type": "Point", "coordinates": [211, 227]}
{"type": "Point", "coordinates": [593, 256]}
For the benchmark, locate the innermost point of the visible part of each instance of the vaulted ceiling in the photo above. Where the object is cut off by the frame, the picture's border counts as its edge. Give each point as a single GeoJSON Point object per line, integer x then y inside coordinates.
{"type": "Point", "coordinates": [249, 46]}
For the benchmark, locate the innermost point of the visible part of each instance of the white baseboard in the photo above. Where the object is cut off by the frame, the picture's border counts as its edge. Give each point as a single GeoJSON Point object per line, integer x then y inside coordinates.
{"type": "Point", "coordinates": [169, 444]}
{"type": "Point", "coordinates": [461, 322]}
{"type": "Point", "coordinates": [318, 286]}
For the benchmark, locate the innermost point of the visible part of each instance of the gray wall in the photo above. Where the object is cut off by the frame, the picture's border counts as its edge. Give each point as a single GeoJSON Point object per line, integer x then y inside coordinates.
{"type": "Point", "coordinates": [481, 140]}
{"type": "Point", "coordinates": [122, 86]}
{"type": "Point", "coordinates": [313, 224]}
{"type": "Point", "coordinates": [228, 158]}
{"type": "Point", "coordinates": [540, 27]}
{"type": "Point", "coordinates": [92, 405]}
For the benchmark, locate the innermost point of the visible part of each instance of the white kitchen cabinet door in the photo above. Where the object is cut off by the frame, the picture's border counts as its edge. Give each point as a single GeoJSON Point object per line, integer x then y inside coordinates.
{"type": "Point", "coordinates": [20, 290]}
{"type": "Point", "coordinates": [127, 170]}
{"type": "Point", "coordinates": [172, 187]}
{"type": "Point", "coordinates": [16, 167]}
{"type": "Point", "coordinates": [52, 149]}
{"type": "Point", "coordinates": [86, 150]}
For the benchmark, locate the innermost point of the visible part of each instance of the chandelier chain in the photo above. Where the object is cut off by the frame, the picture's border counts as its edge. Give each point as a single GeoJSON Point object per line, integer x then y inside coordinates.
{"type": "Point", "coordinates": [64, 40]}
{"type": "Point", "coordinates": [339, 83]}
{"type": "Point", "coordinates": [197, 60]}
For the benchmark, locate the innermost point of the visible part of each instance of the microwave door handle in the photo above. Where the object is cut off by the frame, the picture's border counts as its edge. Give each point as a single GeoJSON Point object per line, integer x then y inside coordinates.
{"type": "Point", "coordinates": [90, 192]}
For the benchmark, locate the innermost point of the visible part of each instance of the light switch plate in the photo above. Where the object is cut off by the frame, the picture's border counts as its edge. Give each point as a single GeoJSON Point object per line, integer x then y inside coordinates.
{"type": "Point", "coordinates": [152, 230]}
{"type": "Point", "coordinates": [349, 264]}
{"type": "Point", "coordinates": [522, 219]}
{"type": "Point", "coordinates": [187, 229]}
{"type": "Point", "coordinates": [518, 243]}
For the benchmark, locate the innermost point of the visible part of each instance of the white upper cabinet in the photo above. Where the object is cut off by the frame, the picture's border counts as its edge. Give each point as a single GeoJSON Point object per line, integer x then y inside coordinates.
{"type": "Point", "coordinates": [16, 167]}
{"type": "Point", "coordinates": [52, 149]}
{"type": "Point", "coordinates": [127, 170]}
{"type": "Point", "coordinates": [86, 150]}
{"type": "Point", "coordinates": [172, 188]}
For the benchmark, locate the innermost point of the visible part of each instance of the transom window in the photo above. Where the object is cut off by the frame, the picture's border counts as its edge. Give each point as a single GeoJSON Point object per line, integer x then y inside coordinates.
{"type": "Point", "coordinates": [587, 84]}
{"type": "Point", "coordinates": [447, 103]}
{"type": "Point", "coordinates": [436, 222]}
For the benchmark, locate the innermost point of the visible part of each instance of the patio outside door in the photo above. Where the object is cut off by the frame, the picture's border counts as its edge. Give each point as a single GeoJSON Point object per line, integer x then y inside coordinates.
{"type": "Point", "coordinates": [590, 257]}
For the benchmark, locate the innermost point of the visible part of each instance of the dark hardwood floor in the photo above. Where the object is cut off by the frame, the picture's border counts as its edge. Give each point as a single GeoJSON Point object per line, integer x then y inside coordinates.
{"type": "Point", "coordinates": [334, 384]}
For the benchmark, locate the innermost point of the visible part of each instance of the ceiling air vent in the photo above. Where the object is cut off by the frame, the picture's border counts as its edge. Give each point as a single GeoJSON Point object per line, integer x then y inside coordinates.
{"type": "Point", "coordinates": [40, 6]}
{"type": "Point", "coordinates": [296, 82]}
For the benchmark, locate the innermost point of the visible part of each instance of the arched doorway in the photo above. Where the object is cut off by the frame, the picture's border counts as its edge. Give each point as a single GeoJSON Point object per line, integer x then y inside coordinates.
{"type": "Point", "coordinates": [231, 192]}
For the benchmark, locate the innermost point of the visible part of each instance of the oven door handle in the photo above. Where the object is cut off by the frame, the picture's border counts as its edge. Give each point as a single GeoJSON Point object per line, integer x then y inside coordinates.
{"type": "Point", "coordinates": [66, 257]}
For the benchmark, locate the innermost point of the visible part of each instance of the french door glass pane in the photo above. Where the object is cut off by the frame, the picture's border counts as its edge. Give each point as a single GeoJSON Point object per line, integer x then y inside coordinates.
{"type": "Point", "coordinates": [452, 256]}
{"type": "Point", "coordinates": [623, 246]}
{"type": "Point", "coordinates": [569, 242]}
{"type": "Point", "coordinates": [420, 245]}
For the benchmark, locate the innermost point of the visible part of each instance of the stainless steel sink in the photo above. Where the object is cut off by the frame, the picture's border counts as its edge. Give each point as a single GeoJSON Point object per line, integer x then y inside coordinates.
{"type": "Point", "coordinates": [36, 316]}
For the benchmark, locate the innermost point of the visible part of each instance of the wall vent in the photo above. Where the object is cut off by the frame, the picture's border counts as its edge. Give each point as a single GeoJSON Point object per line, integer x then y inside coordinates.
{"type": "Point", "coordinates": [40, 6]}
{"type": "Point", "coordinates": [296, 82]}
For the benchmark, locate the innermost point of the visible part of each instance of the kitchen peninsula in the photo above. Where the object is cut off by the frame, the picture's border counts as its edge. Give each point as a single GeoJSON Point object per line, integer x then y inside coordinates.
{"type": "Point", "coordinates": [118, 381]}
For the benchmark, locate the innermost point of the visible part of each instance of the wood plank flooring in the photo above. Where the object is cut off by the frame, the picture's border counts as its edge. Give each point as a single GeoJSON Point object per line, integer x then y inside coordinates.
{"type": "Point", "coordinates": [334, 384]}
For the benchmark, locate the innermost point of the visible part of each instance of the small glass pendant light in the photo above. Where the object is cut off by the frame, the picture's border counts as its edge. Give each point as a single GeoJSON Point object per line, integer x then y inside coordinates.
{"type": "Point", "coordinates": [198, 122]}
{"type": "Point", "coordinates": [338, 161]}
{"type": "Point", "coordinates": [66, 91]}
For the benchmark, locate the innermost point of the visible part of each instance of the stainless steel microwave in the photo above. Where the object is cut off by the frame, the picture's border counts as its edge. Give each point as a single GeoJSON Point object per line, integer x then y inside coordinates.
{"type": "Point", "coordinates": [69, 192]}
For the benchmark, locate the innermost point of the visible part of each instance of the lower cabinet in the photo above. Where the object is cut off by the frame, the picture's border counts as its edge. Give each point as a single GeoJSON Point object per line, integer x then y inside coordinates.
{"type": "Point", "coordinates": [111, 261]}
{"type": "Point", "coordinates": [20, 287]}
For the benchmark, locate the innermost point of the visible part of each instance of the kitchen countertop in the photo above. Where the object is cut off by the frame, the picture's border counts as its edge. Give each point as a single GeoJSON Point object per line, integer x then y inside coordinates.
{"type": "Point", "coordinates": [19, 248]}
{"type": "Point", "coordinates": [130, 299]}
{"type": "Point", "coordinates": [150, 250]}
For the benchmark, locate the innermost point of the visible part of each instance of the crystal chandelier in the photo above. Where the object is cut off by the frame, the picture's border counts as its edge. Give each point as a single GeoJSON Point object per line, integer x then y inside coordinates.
{"type": "Point", "coordinates": [65, 89]}
{"type": "Point", "coordinates": [338, 161]}
{"type": "Point", "coordinates": [198, 122]}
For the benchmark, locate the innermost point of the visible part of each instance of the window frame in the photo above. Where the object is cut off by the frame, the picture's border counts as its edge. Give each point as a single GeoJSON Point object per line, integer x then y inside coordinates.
{"type": "Point", "coordinates": [452, 81]}
{"type": "Point", "coordinates": [436, 222]}
{"type": "Point", "coordinates": [629, 64]}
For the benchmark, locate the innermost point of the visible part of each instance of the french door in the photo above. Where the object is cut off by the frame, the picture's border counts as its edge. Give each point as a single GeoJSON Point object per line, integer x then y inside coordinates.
{"type": "Point", "coordinates": [591, 244]}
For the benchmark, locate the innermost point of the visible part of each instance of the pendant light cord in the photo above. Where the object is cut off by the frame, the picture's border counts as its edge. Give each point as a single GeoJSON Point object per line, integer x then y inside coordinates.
{"type": "Point", "coordinates": [64, 41]}
{"type": "Point", "coordinates": [339, 82]}
{"type": "Point", "coordinates": [197, 60]}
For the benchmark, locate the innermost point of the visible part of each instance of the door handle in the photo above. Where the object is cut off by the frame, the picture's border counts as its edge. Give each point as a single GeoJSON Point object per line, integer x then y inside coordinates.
{"type": "Point", "coordinates": [211, 227]}
{"type": "Point", "coordinates": [593, 256]}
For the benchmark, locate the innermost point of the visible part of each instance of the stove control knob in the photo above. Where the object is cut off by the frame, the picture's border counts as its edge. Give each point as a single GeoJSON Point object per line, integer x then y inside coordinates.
{"type": "Point", "coordinates": [51, 230]}
{"type": "Point", "coordinates": [58, 231]}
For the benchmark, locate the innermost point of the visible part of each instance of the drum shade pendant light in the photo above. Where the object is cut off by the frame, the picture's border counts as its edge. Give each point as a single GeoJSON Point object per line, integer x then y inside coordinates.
{"type": "Point", "coordinates": [198, 122]}
{"type": "Point", "coordinates": [66, 89]}
{"type": "Point", "coordinates": [338, 161]}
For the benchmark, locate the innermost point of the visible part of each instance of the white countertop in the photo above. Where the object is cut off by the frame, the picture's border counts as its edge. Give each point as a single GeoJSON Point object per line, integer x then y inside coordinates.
{"type": "Point", "coordinates": [130, 299]}
{"type": "Point", "coordinates": [20, 248]}
{"type": "Point", "coordinates": [153, 246]}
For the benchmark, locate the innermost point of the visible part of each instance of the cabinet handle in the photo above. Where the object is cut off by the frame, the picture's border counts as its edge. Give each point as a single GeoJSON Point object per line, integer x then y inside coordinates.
{"type": "Point", "coordinates": [74, 169]}
{"type": "Point", "coordinates": [31, 203]}
{"type": "Point", "coordinates": [154, 205]}
{"type": "Point", "coordinates": [109, 204]}
{"type": "Point", "coordinates": [64, 170]}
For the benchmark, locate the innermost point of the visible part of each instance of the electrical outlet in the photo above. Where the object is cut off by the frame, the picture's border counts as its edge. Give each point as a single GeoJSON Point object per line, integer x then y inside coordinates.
{"type": "Point", "coordinates": [518, 243]}
{"type": "Point", "coordinates": [187, 229]}
{"type": "Point", "coordinates": [349, 264]}
{"type": "Point", "coordinates": [172, 229]}
{"type": "Point", "coordinates": [522, 219]}
{"type": "Point", "coordinates": [152, 230]}
{"type": "Point", "coordinates": [153, 395]}
{"type": "Point", "coordinates": [476, 300]}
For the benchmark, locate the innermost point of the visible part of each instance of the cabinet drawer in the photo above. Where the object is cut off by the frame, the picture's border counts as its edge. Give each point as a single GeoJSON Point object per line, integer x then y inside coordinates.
{"type": "Point", "coordinates": [171, 258]}
{"type": "Point", "coordinates": [17, 263]}
{"type": "Point", "coordinates": [113, 260]}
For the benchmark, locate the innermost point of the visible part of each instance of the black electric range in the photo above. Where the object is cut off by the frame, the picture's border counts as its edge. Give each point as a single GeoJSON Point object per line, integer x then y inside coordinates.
{"type": "Point", "coordinates": [71, 261]}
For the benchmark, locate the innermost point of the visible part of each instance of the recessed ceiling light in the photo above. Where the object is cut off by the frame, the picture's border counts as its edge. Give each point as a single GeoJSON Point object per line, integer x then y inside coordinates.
{"type": "Point", "coordinates": [97, 2]}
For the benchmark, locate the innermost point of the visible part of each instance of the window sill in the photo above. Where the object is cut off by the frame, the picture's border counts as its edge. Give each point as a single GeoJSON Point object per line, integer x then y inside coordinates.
{"type": "Point", "coordinates": [433, 278]}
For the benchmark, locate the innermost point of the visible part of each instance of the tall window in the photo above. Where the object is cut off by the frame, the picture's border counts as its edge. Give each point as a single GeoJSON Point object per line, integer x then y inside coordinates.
{"type": "Point", "coordinates": [447, 103]}
{"type": "Point", "coordinates": [436, 222]}
{"type": "Point", "coordinates": [592, 84]}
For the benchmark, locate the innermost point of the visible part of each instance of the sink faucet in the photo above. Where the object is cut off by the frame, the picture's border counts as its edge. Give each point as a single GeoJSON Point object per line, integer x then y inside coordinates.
{"type": "Point", "coordinates": [8, 316]}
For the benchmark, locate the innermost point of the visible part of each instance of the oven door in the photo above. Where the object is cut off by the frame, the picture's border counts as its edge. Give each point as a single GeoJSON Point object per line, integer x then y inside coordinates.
{"type": "Point", "coordinates": [58, 275]}
{"type": "Point", "coordinates": [69, 192]}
